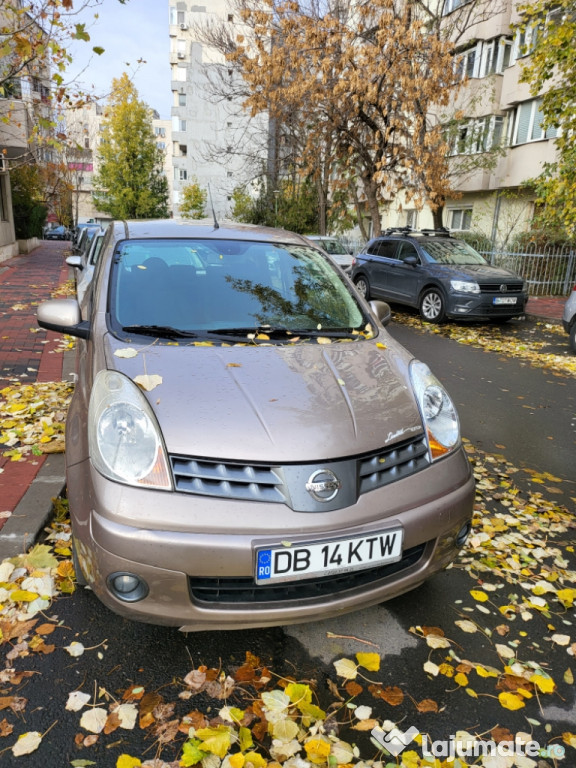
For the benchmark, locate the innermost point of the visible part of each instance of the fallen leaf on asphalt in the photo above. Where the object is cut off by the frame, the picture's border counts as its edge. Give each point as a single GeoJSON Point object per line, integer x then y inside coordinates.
{"type": "Point", "coordinates": [27, 743]}
{"type": "Point", "coordinates": [94, 720]}
{"type": "Point", "coordinates": [148, 382]}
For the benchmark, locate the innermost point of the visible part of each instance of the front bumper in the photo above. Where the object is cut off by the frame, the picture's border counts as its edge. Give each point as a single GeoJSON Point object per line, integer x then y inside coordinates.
{"type": "Point", "coordinates": [190, 549]}
{"type": "Point", "coordinates": [483, 307]}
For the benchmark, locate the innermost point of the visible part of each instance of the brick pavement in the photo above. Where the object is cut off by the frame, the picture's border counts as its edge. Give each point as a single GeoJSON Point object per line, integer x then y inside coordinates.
{"type": "Point", "coordinates": [27, 353]}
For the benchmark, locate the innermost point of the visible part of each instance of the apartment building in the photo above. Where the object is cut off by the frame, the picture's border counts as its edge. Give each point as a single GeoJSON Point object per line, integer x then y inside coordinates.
{"type": "Point", "coordinates": [499, 112]}
{"type": "Point", "coordinates": [211, 137]}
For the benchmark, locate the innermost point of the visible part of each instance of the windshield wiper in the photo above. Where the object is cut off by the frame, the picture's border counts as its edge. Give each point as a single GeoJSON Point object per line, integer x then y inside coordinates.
{"type": "Point", "coordinates": [275, 333]}
{"type": "Point", "coordinates": [165, 331]}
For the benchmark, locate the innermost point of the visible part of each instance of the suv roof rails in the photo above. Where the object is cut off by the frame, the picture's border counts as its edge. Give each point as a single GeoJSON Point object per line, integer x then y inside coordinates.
{"type": "Point", "coordinates": [443, 231]}
{"type": "Point", "coordinates": [398, 231]}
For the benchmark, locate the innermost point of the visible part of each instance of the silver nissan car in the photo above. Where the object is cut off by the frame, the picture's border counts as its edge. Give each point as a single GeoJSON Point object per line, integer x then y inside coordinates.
{"type": "Point", "coordinates": [246, 445]}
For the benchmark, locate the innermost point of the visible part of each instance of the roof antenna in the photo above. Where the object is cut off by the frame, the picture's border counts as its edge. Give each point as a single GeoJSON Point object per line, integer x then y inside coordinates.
{"type": "Point", "coordinates": [216, 225]}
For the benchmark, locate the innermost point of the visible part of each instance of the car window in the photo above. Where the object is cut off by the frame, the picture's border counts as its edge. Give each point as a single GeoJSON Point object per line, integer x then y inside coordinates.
{"type": "Point", "coordinates": [97, 248]}
{"type": "Point", "coordinates": [333, 247]}
{"type": "Point", "coordinates": [385, 248]}
{"type": "Point", "coordinates": [407, 249]}
{"type": "Point", "coordinates": [451, 252]}
{"type": "Point", "coordinates": [248, 284]}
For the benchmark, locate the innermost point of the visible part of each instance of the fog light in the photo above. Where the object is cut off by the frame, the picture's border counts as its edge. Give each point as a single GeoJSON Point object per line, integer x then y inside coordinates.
{"type": "Point", "coordinates": [127, 587]}
{"type": "Point", "coordinates": [463, 534]}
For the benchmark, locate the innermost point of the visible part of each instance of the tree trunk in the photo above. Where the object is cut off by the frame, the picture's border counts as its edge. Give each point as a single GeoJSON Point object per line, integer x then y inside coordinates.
{"type": "Point", "coordinates": [372, 198]}
{"type": "Point", "coordinates": [438, 217]}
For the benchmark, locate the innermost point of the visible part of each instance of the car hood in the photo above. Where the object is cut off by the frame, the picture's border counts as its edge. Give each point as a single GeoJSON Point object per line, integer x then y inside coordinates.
{"type": "Point", "coordinates": [277, 403]}
{"type": "Point", "coordinates": [481, 272]}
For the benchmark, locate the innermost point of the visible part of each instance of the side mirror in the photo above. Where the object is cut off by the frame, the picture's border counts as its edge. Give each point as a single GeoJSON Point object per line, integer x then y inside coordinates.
{"type": "Point", "coordinates": [413, 261]}
{"type": "Point", "coordinates": [382, 311]}
{"type": "Point", "coordinates": [63, 316]}
{"type": "Point", "coordinates": [74, 261]}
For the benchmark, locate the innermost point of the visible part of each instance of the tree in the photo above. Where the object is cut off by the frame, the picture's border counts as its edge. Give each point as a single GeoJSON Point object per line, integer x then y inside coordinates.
{"type": "Point", "coordinates": [131, 183]}
{"type": "Point", "coordinates": [364, 77]}
{"type": "Point", "coordinates": [193, 201]}
{"type": "Point", "coordinates": [28, 201]}
{"type": "Point", "coordinates": [552, 68]}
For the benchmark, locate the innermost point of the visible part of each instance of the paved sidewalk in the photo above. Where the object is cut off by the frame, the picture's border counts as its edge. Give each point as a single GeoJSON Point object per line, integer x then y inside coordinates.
{"type": "Point", "coordinates": [27, 355]}
{"type": "Point", "coordinates": [30, 354]}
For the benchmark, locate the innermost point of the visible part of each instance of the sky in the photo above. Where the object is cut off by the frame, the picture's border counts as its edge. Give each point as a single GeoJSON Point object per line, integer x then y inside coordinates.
{"type": "Point", "coordinates": [137, 30]}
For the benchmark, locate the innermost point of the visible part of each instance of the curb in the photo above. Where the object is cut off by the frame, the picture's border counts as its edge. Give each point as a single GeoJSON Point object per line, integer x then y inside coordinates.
{"type": "Point", "coordinates": [30, 516]}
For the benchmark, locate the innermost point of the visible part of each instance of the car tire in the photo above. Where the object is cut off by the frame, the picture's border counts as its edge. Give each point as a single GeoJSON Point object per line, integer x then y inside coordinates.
{"type": "Point", "coordinates": [432, 306]}
{"type": "Point", "coordinates": [80, 578]}
{"type": "Point", "coordinates": [363, 286]}
{"type": "Point", "coordinates": [573, 337]}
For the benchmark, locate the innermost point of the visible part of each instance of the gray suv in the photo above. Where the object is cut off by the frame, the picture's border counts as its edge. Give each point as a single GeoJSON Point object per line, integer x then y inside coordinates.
{"type": "Point", "coordinates": [440, 275]}
{"type": "Point", "coordinates": [246, 445]}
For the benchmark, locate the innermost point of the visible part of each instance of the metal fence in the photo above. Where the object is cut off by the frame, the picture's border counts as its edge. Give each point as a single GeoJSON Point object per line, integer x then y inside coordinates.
{"type": "Point", "coordinates": [548, 270]}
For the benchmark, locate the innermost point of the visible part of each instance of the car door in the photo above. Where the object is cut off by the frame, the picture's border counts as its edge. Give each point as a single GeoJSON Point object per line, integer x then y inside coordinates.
{"type": "Point", "coordinates": [405, 278]}
{"type": "Point", "coordinates": [381, 255]}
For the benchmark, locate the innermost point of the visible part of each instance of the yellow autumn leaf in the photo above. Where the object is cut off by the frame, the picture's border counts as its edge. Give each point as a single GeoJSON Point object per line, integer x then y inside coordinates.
{"type": "Point", "coordinates": [317, 750]}
{"type": "Point", "coordinates": [23, 596]}
{"type": "Point", "coordinates": [471, 693]}
{"type": "Point", "coordinates": [569, 676]}
{"type": "Point", "coordinates": [127, 761]}
{"type": "Point", "coordinates": [446, 669]}
{"type": "Point", "coordinates": [237, 760]}
{"type": "Point", "coordinates": [510, 700]}
{"type": "Point", "coordinates": [346, 668]}
{"type": "Point", "coordinates": [255, 759]}
{"type": "Point", "coordinates": [370, 661]}
{"type": "Point", "coordinates": [566, 597]}
{"type": "Point", "coordinates": [479, 595]}
{"type": "Point", "coordinates": [483, 672]}
{"type": "Point", "coordinates": [544, 684]}
{"type": "Point", "coordinates": [461, 679]}
{"type": "Point", "coordinates": [569, 738]}
{"type": "Point", "coordinates": [215, 740]}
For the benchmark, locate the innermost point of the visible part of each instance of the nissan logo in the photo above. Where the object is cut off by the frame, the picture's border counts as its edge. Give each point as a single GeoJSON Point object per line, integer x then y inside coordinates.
{"type": "Point", "coordinates": [323, 485]}
{"type": "Point", "coordinates": [503, 288]}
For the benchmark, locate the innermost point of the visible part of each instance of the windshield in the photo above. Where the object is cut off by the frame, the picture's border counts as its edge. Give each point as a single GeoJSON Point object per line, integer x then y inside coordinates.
{"type": "Point", "coordinates": [451, 252]}
{"type": "Point", "coordinates": [230, 286]}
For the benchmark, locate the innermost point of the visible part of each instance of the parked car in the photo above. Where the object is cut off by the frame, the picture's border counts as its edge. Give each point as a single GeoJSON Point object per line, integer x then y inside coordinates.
{"type": "Point", "coordinates": [569, 318]}
{"type": "Point", "coordinates": [84, 278]}
{"type": "Point", "coordinates": [440, 275]}
{"type": "Point", "coordinates": [335, 248]}
{"type": "Point", "coordinates": [246, 444]}
{"type": "Point", "coordinates": [79, 227]}
{"type": "Point", "coordinates": [57, 233]}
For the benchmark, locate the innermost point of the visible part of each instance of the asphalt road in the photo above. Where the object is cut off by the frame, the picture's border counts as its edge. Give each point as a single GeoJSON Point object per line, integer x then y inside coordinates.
{"type": "Point", "coordinates": [506, 407]}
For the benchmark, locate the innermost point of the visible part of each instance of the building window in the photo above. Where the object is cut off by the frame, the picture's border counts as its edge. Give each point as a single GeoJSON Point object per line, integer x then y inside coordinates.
{"type": "Point", "coordinates": [183, 174]}
{"type": "Point", "coordinates": [230, 17]}
{"type": "Point", "coordinates": [160, 131]}
{"type": "Point", "coordinates": [528, 124]}
{"type": "Point", "coordinates": [178, 124]}
{"type": "Point", "coordinates": [467, 64]}
{"type": "Point", "coordinates": [181, 99]}
{"type": "Point", "coordinates": [412, 218]}
{"type": "Point", "coordinates": [229, 174]}
{"type": "Point", "coordinates": [477, 136]}
{"type": "Point", "coordinates": [452, 5]}
{"type": "Point", "coordinates": [525, 41]}
{"type": "Point", "coordinates": [461, 218]}
{"type": "Point", "coordinates": [11, 89]}
{"type": "Point", "coordinates": [161, 145]}
{"type": "Point", "coordinates": [180, 74]}
{"type": "Point", "coordinates": [182, 150]}
{"type": "Point", "coordinates": [86, 143]}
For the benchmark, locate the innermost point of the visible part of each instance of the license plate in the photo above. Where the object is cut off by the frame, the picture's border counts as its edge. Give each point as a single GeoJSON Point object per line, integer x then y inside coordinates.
{"type": "Point", "coordinates": [505, 300]}
{"type": "Point", "coordinates": [304, 561]}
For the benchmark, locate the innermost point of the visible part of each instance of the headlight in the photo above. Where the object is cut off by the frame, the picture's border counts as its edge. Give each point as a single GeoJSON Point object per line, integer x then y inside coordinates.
{"type": "Point", "coordinates": [465, 286]}
{"type": "Point", "coordinates": [438, 412]}
{"type": "Point", "coordinates": [123, 435]}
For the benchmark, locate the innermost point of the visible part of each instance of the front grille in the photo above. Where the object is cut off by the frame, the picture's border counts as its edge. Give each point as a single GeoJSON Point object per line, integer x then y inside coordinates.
{"type": "Point", "coordinates": [393, 464]}
{"type": "Point", "coordinates": [237, 591]}
{"type": "Point", "coordinates": [495, 287]}
{"type": "Point", "coordinates": [259, 482]}
{"type": "Point", "coordinates": [227, 480]}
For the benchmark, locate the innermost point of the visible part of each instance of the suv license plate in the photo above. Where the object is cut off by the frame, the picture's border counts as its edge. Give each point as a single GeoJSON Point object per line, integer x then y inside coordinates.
{"type": "Point", "coordinates": [505, 300]}
{"type": "Point", "coordinates": [304, 561]}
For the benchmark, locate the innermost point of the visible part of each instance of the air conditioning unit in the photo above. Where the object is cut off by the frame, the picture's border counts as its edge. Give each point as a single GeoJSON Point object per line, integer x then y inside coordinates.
{"type": "Point", "coordinates": [184, 26]}
{"type": "Point", "coordinates": [181, 55]}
